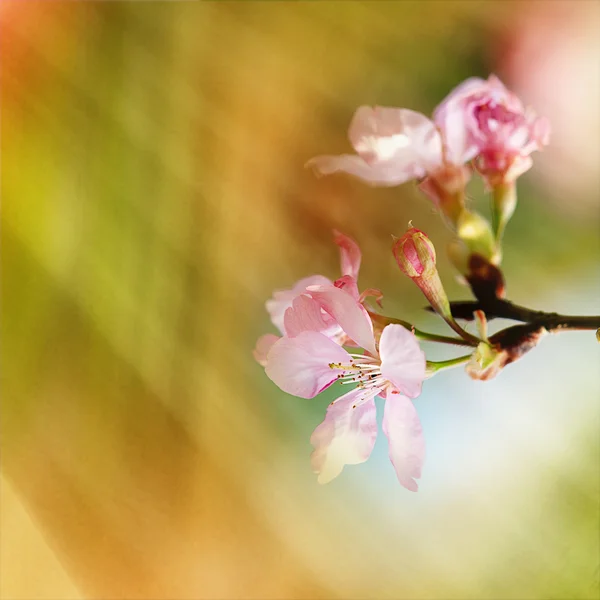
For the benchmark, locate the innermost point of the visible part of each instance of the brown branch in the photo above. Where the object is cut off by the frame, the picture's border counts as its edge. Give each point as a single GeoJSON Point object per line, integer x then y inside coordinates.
{"type": "Point", "coordinates": [499, 308]}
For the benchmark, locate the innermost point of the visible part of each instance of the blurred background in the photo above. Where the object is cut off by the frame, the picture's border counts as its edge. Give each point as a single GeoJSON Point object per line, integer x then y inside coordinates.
{"type": "Point", "coordinates": [153, 196]}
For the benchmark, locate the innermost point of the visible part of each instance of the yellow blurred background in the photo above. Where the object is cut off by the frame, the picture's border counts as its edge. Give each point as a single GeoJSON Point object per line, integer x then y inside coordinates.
{"type": "Point", "coordinates": [153, 196]}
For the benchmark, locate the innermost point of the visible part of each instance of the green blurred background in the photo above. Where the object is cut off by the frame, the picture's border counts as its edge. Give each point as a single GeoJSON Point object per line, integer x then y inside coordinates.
{"type": "Point", "coordinates": [153, 197]}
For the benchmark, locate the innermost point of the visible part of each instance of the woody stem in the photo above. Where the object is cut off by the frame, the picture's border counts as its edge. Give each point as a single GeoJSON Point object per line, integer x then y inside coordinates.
{"type": "Point", "coordinates": [504, 309]}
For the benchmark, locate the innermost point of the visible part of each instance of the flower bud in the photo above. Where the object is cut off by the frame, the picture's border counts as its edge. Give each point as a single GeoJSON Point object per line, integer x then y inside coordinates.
{"type": "Point", "coordinates": [415, 254]}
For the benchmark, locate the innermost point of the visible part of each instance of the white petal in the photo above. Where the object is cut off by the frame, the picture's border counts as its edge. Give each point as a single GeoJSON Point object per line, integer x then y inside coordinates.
{"type": "Point", "coordinates": [345, 437]}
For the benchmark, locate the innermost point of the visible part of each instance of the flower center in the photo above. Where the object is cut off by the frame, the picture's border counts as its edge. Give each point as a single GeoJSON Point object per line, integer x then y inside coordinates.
{"type": "Point", "coordinates": [498, 123]}
{"type": "Point", "coordinates": [362, 370]}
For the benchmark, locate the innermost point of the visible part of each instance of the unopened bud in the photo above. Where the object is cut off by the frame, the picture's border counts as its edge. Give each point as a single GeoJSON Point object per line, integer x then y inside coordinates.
{"type": "Point", "coordinates": [415, 254]}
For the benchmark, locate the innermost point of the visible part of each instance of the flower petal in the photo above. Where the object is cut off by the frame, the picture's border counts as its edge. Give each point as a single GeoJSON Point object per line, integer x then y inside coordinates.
{"type": "Point", "coordinates": [263, 345]}
{"type": "Point", "coordinates": [350, 315]}
{"type": "Point", "coordinates": [282, 299]}
{"type": "Point", "coordinates": [346, 436]}
{"type": "Point", "coordinates": [394, 145]}
{"type": "Point", "coordinates": [402, 360]}
{"type": "Point", "coordinates": [349, 285]}
{"type": "Point", "coordinates": [397, 135]}
{"type": "Point", "coordinates": [472, 85]}
{"type": "Point", "coordinates": [460, 144]}
{"type": "Point", "coordinates": [403, 429]}
{"type": "Point", "coordinates": [350, 254]}
{"type": "Point", "coordinates": [306, 314]}
{"type": "Point", "coordinates": [376, 174]}
{"type": "Point", "coordinates": [300, 365]}
{"type": "Point", "coordinates": [451, 117]}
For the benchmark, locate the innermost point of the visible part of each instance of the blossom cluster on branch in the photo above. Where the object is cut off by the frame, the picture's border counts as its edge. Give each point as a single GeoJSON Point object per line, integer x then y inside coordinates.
{"type": "Point", "coordinates": [331, 332]}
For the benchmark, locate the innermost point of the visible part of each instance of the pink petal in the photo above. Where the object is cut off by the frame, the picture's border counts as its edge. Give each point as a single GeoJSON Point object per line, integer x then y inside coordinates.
{"type": "Point", "coordinates": [282, 299]}
{"type": "Point", "coordinates": [402, 360]}
{"type": "Point", "coordinates": [346, 436]}
{"type": "Point", "coordinates": [350, 254]}
{"type": "Point", "coordinates": [397, 135]}
{"type": "Point", "coordinates": [459, 143]}
{"type": "Point", "coordinates": [376, 174]}
{"type": "Point", "coordinates": [472, 85]}
{"type": "Point", "coordinates": [348, 313]}
{"type": "Point", "coordinates": [451, 117]}
{"type": "Point", "coordinates": [394, 145]}
{"type": "Point", "coordinates": [305, 314]}
{"type": "Point", "coordinates": [263, 345]}
{"type": "Point", "coordinates": [403, 429]}
{"type": "Point", "coordinates": [349, 285]}
{"type": "Point", "coordinates": [300, 365]}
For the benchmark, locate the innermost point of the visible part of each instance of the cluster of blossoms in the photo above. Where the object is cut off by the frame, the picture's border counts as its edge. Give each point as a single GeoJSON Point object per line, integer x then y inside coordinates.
{"type": "Point", "coordinates": [328, 330]}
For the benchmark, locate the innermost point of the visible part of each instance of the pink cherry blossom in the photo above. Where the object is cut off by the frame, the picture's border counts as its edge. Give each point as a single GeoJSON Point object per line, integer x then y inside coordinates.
{"type": "Point", "coordinates": [393, 145]}
{"type": "Point", "coordinates": [310, 362]}
{"type": "Point", "coordinates": [491, 124]}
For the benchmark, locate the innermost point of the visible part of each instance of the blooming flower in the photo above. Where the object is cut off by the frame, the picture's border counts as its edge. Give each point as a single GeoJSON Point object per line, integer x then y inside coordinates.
{"type": "Point", "coordinates": [393, 145]}
{"type": "Point", "coordinates": [487, 121]}
{"type": "Point", "coordinates": [309, 362]}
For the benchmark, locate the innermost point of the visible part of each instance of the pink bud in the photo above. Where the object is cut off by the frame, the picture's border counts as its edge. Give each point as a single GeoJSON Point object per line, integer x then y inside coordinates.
{"type": "Point", "coordinates": [415, 254]}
